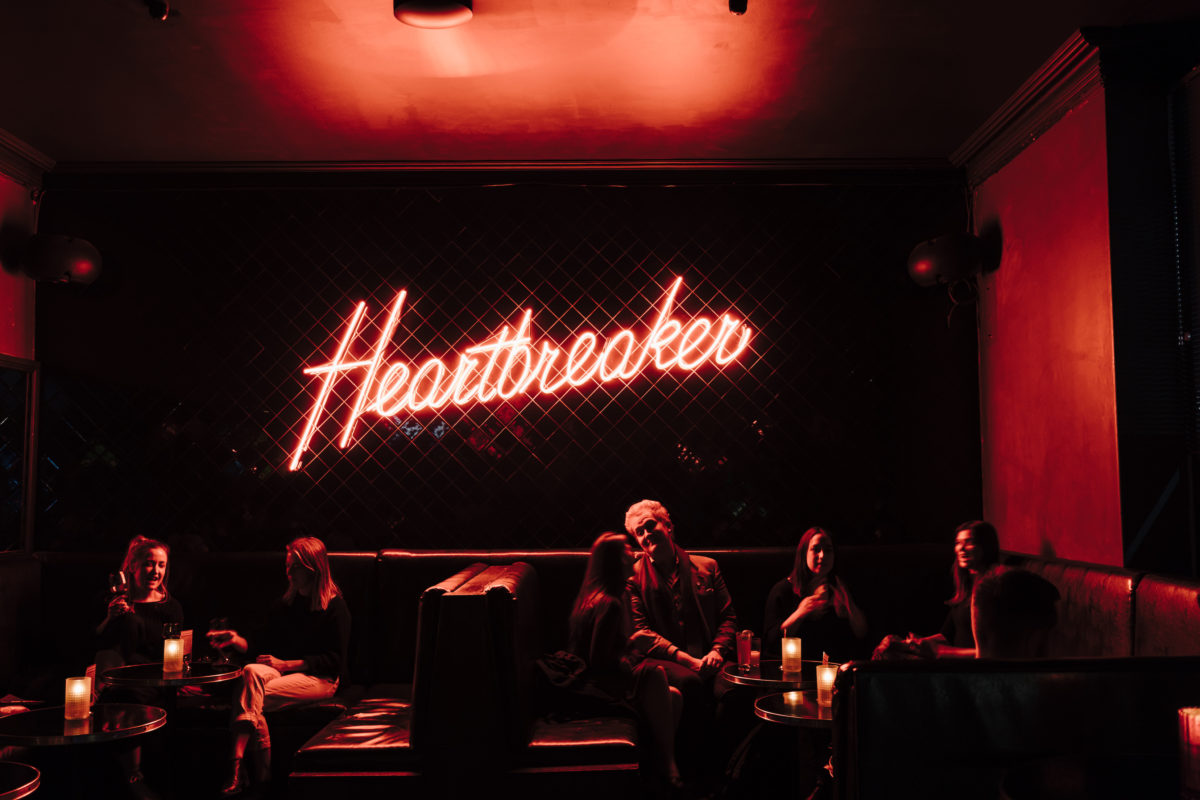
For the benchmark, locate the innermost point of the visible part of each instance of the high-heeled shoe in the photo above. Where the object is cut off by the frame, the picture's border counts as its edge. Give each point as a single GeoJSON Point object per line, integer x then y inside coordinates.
{"type": "Point", "coordinates": [238, 779]}
{"type": "Point", "coordinates": [138, 788]}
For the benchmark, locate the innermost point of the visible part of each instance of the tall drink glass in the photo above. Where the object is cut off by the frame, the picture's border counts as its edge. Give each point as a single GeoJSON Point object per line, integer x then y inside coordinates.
{"type": "Point", "coordinates": [744, 640]}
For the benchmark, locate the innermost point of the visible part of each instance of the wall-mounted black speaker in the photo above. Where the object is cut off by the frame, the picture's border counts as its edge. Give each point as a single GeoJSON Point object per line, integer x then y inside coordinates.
{"type": "Point", "coordinates": [53, 257]}
{"type": "Point", "coordinates": [946, 259]}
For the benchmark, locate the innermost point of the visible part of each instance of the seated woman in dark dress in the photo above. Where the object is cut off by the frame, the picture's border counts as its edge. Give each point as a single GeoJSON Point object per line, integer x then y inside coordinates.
{"type": "Point", "coordinates": [814, 604]}
{"type": "Point", "coordinates": [976, 551]}
{"type": "Point", "coordinates": [132, 633]}
{"type": "Point", "coordinates": [601, 633]}
{"type": "Point", "coordinates": [301, 656]}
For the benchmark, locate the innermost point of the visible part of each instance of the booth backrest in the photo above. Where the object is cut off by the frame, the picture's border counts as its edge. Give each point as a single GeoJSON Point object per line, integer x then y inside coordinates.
{"type": "Point", "coordinates": [951, 728]}
{"type": "Point", "coordinates": [240, 587]}
{"type": "Point", "coordinates": [20, 618]}
{"type": "Point", "coordinates": [483, 655]}
{"type": "Point", "coordinates": [428, 723]}
{"type": "Point", "coordinates": [1166, 617]}
{"type": "Point", "coordinates": [1095, 610]}
{"type": "Point", "coordinates": [899, 588]}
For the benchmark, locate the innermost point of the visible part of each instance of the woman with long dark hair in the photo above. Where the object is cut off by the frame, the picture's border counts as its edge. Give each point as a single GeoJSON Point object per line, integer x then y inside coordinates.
{"type": "Point", "coordinates": [301, 656]}
{"type": "Point", "coordinates": [132, 633]}
{"type": "Point", "coordinates": [601, 633]}
{"type": "Point", "coordinates": [814, 604]}
{"type": "Point", "coordinates": [976, 553]}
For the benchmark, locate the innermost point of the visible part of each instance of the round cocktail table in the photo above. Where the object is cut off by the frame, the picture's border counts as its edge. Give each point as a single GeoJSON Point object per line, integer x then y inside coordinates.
{"type": "Point", "coordinates": [18, 780]}
{"type": "Point", "coordinates": [152, 676]}
{"type": "Point", "coordinates": [108, 722]}
{"type": "Point", "coordinates": [797, 709]}
{"type": "Point", "coordinates": [769, 676]}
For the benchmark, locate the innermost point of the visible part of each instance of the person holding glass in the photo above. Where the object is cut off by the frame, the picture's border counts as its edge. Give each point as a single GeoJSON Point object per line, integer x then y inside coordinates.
{"type": "Point", "coordinates": [617, 677]}
{"type": "Point", "coordinates": [131, 632]}
{"type": "Point", "coordinates": [300, 656]}
{"type": "Point", "coordinates": [976, 553]}
{"type": "Point", "coordinates": [813, 603]}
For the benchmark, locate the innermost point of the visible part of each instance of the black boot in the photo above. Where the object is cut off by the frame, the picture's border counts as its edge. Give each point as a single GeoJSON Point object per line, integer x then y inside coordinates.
{"type": "Point", "coordinates": [237, 779]}
{"type": "Point", "coordinates": [262, 767]}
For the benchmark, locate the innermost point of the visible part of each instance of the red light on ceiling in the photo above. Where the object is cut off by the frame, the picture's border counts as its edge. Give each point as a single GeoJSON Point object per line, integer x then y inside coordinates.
{"type": "Point", "coordinates": [511, 363]}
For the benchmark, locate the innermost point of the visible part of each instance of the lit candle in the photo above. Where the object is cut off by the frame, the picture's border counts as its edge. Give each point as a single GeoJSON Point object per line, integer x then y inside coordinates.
{"type": "Point", "coordinates": [1189, 752]}
{"type": "Point", "coordinates": [791, 654]}
{"type": "Point", "coordinates": [793, 700]}
{"type": "Point", "coordinates": [825, 676]}
{"type": "Point", "coordinates": [78, 703]}
{"type": "Point", "coordinates": [172, 656]}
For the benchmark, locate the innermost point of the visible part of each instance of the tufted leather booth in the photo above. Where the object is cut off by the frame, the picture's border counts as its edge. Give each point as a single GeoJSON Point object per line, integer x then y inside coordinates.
{"type": "Point", "coordinates": [479, 636]}
{"type": "Point", "coordinates": [45, 622]}
{"type": "Point", "coordinates": [384, 738]}
{"type": "Point", "coordinates": [1166, 617]}
{"type": "Point", "coordinates": [953, 728]}
{"type": "Point", "coordinates": [1095, 610]}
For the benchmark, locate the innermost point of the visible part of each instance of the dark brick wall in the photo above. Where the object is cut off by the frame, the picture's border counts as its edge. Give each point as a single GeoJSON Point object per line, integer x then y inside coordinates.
{"type": "Point", "coordinates": [173, 388]}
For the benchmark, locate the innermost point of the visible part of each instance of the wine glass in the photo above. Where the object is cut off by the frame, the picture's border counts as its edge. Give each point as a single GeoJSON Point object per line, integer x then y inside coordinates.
{"type": "Point", "coordinates": [118, 583]}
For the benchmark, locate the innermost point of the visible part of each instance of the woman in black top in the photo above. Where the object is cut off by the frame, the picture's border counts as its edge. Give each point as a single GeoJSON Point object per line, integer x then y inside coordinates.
{"type": "Point", "coordinates": [301, 656]}
{"type": "Point", "coordinates": [132, 630]}
{"type": "Point", "coordinates": [814, 604]}
{"type": "Point", "coordinates": [601, 633]}
{"type": "Point", "coordinates": [976, 553]}
{"type": "Point", "coordinates": [132, 633]}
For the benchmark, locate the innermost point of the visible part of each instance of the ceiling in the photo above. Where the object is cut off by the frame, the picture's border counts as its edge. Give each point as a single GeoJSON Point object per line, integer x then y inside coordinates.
{"type": "Point", "coordinates": [525, 80]}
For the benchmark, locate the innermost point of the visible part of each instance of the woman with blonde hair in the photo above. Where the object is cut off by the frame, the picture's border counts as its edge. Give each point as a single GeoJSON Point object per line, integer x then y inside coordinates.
{"type": "Point", "coordinates": [300, 656]}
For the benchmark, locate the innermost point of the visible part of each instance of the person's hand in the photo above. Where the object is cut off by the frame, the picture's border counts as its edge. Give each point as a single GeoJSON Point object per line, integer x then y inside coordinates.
{"type": "Point", "coordinates": [119, 607]}
{"type": "Point", "coordinates": [220, 638]}
{"type": "Point", "coordinates": [691, 662]}
{"type": "Point", "coordinates": [710, 663]}
{"type": "Point", "coordinates": [271, 661]}
{"type": "Point", "coordinates": [894, 646]}
{"type": "Point", "coordinates": [923, 647]}
{"type": "Point", "coordinates": [815, 602]}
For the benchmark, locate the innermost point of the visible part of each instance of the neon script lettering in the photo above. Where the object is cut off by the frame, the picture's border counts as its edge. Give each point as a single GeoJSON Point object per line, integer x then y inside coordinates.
{"type": "Point", "coordinates": [511, 363]}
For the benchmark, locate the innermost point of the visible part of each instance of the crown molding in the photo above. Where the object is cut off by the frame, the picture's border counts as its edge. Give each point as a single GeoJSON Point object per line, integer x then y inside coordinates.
{"type": "Point", "coordinates": [22, 162]}
{"type": "Point", "coordinates": [208, 174]}
{"type": "Point", "coordinates": [1068, 78]}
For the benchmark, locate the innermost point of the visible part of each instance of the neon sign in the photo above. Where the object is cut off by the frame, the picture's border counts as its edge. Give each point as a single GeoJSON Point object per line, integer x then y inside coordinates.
{"type": "Point", "coordinates": [511, 364]}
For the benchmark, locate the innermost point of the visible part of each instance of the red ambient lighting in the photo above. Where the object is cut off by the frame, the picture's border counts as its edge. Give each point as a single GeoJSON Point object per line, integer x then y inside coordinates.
{"type": "Point", "coordinates": [510, 364]}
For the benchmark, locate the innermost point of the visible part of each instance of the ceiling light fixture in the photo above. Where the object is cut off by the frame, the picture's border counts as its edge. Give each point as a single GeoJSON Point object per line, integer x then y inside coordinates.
{"type": "Point", "coordinates": [432, 13]}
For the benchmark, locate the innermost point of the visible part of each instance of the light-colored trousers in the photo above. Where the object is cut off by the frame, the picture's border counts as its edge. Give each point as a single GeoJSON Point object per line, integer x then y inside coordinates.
{"type": "Point", "coordinates": [267, 689]}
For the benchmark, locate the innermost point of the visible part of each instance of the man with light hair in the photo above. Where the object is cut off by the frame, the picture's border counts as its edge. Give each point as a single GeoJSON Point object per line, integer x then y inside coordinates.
{"type": "Point", "coordinates": [683, 615]}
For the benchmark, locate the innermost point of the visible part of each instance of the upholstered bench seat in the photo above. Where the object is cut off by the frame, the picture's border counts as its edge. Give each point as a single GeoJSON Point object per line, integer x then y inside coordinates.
{"type": "Point", "coordinates": [608, 741]}
{"type": "Point", "coordinates": [374, 735]}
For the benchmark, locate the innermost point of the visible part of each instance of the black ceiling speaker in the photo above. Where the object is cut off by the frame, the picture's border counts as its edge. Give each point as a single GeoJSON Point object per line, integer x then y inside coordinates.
{"type": "Point", "coordinates": [737, 7]}
{"type": "Point", "coordinates": [66, 259]}
{"type": "Point", "coordinates": [946, 259]}
{"type": "Point", "coordinates": [433, 13]}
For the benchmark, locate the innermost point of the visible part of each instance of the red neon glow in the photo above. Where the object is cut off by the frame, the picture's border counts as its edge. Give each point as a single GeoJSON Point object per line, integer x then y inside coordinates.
{"type": "Point", "coordinates": [510, 364]}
